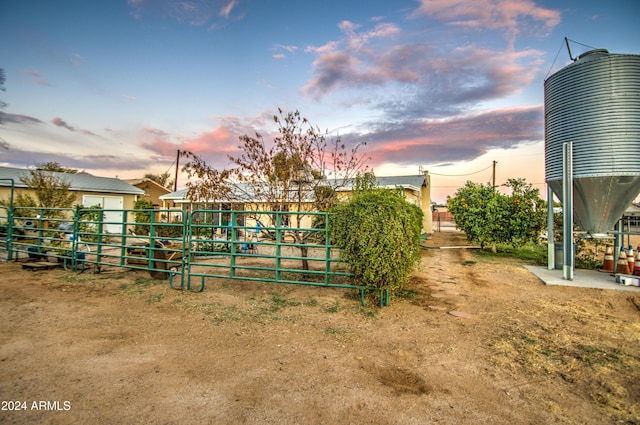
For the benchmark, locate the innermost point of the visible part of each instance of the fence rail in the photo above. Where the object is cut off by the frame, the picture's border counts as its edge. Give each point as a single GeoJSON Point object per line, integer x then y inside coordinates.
{"type": "Point", "coordinates": [186, 249]}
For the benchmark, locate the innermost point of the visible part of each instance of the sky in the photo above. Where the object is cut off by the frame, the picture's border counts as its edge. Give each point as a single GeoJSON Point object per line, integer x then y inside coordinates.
{"type": "Point", "coordinates": [116, 88]}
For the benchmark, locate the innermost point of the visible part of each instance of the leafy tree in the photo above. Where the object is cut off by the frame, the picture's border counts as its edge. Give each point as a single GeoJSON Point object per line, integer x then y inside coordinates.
{"type": "Point", "coordinates": [46, 191]}
{"type": "Point", "coordinates": [489, 217]}
{"type": "Point", "coordinates": [163, 179]}
{"type": "Point", "coordinates": [364, 182]}
{"type": "Point", "coordinates": [300, 168]}
{"type": "Point", "coordinates": [49, 191]}
{"type": "Point", "coordinates": [380, 235]}
{"type": "Point", "coordinates": [55, 167]}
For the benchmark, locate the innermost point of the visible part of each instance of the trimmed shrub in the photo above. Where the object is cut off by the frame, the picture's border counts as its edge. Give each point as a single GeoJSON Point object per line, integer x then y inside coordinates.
{"type": "Point", "coordinates": [380, 235]}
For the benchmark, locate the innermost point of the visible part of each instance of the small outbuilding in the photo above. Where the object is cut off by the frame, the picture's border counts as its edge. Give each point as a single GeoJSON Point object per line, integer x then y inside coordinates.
{"type": "Point", "coordinates": [107, 192]}
{"type": "Point", "coordinates": [152, 190]}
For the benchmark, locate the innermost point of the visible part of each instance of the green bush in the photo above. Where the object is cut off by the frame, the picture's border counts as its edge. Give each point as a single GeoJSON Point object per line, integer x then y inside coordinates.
{"type": "Point", "coordinates": [488, 217]}
{"type": "Point", "coordinates": [380, 235]}
{"type": "Point", "coordinates": [142, 216]}
{"type": "Point", "coordinates": [88, 217]}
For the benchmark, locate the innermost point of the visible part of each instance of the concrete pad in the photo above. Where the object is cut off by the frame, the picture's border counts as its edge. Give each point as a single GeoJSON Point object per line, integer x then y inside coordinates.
{"type": "Point", "coordinates": [581, 279]}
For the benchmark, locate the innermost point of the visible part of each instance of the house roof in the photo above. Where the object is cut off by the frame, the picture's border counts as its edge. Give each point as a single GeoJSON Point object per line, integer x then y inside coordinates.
{"type": "Point", "coordinates": [242, 191]}
{"type": "Point", "coordinates": [139, 182]}
{"type": "Point", "coordinates": [175, 196]}
{"type": "Point", "coordinates": [77, 182]}
{"type": "Point", "coordinates": [414, 182]}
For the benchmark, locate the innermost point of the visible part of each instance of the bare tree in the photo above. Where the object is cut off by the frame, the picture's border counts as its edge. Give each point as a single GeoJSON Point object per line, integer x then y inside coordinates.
{"type": "Point", "coordinates": [300, 169]}
{"type": "Point", "coordinates": [3, 144]}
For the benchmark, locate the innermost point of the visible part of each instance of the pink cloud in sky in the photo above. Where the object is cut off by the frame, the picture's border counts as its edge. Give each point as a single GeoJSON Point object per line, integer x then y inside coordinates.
{"type": "Point", "coordinates": [510, 16]}
{"type": "Point", "coordinates": [280, 47]}
{"type": "Point", "coordinates": [356, 40]}
{"type": "Point", "coordinates": [216, 142]}
{"type": "Point", "coordinates": [18, 119]}
{"type": "Point", "coordinates": [211, 145]}
{"type": "Point", "coordinates": [36, 77]}
{"type": "Point", "coordinates": [59, 122]}
{"type": "Point", "coordinates": [290, 49]}
{"type": "Point", "coordinates": [449, 79]}
{"type": "Point", "coordinates": [483, 73]}
{"type": "Point", "coordinates": [349, 62]}
{"type": "Point", "coordinates": [457, 139]}
{"type": "Point", "coordinates": [453, 85]}
{"type": "Point", "coordinates": [26, 158]}
{"type": "Point", "coordinates": [226, 9]}
{"type": "Point", "coordinates": [191, 12]}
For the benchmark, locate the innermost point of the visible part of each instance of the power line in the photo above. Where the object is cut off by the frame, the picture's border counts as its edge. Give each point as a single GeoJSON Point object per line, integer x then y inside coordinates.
{"type": "Point", "coordinates": [170, 167]}
{"type": "Point", "coordinates": [460, 175]}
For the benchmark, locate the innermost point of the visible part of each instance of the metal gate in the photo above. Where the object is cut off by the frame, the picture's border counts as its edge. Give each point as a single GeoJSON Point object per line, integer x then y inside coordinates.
{"type": "Point", "coordinates": [267, 246]}
{"type": "Point", "coordinates": [185, 249]}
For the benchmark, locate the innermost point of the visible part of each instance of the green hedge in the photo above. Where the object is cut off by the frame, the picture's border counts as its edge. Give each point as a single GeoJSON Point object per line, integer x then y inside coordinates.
{"type": "Point", "coordinates": [380, 235]}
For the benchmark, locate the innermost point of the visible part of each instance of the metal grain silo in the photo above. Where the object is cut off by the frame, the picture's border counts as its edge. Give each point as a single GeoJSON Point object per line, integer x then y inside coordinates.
{"type": "Point", "coordinates": [595, 103]}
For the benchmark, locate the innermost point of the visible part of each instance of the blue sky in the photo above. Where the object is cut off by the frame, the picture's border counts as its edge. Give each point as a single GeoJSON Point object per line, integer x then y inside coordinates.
{"type": "Point", "coordinates": [115, 88]}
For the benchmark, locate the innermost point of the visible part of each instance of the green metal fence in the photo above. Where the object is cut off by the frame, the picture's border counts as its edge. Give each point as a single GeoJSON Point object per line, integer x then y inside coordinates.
{"type": "Point", "coordinates": [185, 249]}
{"type": "Point", "coordinates": [279, 247]}
{"type": "Point", "coordinates": [40, 233]}
{"type": "Point", "coordinates": [82, 238]}
{"type": "Point", "coordinates": [6, 231]}
{"type": "Point", "coordinates": [6, 222]}
{"type": "Point", "coordinates": [152, 240]}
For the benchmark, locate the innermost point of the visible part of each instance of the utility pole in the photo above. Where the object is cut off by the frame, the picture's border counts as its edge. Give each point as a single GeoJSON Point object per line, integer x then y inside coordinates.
{"type": "Point", "coordinates": [494, 174]}
{"type": "Point", "coordinates": [175, 181]}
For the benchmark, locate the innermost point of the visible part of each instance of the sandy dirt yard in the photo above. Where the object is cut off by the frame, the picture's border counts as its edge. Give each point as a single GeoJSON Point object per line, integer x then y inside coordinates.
{"type": "Point", "coordinates": [120, 348]}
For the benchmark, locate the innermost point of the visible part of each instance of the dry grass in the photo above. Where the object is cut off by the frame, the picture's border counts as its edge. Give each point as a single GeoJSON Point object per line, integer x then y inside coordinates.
{"type": "Point", "coordinates": [589, 347]}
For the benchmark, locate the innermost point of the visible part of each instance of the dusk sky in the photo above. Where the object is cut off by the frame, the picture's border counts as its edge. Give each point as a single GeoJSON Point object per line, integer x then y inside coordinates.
{"type": "Point", "coordinates": [115, 88]}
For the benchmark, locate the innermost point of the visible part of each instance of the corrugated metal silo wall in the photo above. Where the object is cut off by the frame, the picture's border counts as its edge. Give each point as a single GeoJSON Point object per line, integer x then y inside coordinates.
{"type": "Point", "coordinates": [595, 103]}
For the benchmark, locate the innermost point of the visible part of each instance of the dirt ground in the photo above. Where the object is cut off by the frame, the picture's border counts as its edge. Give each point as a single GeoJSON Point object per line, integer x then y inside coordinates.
{"type": "Point", "coordinates": [473, 340]}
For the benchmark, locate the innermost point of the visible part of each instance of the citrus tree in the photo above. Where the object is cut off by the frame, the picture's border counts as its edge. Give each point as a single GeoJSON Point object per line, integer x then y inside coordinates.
{"type": "Point", "coordinates": [489, 217]}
